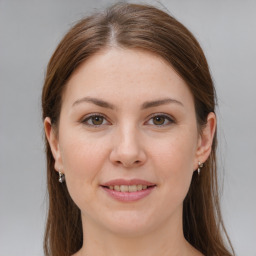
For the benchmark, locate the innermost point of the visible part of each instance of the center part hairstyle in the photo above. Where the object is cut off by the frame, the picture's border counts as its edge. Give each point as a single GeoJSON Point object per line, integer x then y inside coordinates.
{"type": "Point", "coordinates": [143, 27]}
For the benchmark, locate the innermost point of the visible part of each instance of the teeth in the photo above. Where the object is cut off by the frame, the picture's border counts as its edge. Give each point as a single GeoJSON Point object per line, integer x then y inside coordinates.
{"type": "Point", "coordinates": [133, 188]}
{"type": "Point", "coordinates": [126, 188]}
{"type": "Point", "coordinates": [139, 187]}
{"type": "Point", "coordinates": [117, 188]}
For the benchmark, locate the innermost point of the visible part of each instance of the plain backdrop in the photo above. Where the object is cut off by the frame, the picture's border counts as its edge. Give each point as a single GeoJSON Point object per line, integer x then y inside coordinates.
{"type": "Point", "coordinates": [29, 33]}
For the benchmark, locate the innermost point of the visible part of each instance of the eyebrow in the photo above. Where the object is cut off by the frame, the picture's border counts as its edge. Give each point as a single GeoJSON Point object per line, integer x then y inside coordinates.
{"type": "Point", "coordinates": [156, 103]}
{"type": "Point", "coordinates": [95, 101]}
{"type": "Point", "coordinates": [145, 105]}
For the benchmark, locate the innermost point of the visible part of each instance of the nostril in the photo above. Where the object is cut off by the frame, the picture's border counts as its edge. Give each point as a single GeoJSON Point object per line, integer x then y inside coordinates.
{"type": "Point", "coordinates": [128, 164]}
{"type": "Point", "coordinates": [118, 162]}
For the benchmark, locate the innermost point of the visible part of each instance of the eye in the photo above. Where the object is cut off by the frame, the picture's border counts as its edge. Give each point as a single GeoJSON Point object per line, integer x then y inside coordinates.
{"type": "Point", "coordinates": [95, 120]}
{"type": "Point", "coordinates": [160, 120]}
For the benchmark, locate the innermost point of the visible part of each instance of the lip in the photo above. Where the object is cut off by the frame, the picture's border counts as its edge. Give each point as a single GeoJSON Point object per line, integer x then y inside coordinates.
{"type": "Point", "coordinates": [128, 182]}
{"type": "Point", "coordinates": [128, 196]}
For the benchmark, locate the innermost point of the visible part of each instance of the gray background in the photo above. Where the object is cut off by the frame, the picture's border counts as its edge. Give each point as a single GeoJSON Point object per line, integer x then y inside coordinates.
{"type": "Point", "coordinates": [29, 33]}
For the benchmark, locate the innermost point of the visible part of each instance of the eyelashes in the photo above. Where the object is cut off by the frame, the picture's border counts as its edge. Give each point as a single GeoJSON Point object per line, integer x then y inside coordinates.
{"type": "Point", "coordinates": [95, 120]}
{"type": "Point", "coordinates": [99, 120]}
{"type": "Point", "coordinates": [160, 120]}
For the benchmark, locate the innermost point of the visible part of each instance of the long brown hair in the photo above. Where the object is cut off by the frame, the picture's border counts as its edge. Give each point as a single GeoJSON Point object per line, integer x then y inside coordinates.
{"type": "Point", "coordinates": [144, 27]}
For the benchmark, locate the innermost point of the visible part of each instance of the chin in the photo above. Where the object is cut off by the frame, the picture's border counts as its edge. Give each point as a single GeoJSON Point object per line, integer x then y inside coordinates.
{"type": "Point", "coordinates": [129, 231]}
{"type": "Point", "coordinates": [129, 224]}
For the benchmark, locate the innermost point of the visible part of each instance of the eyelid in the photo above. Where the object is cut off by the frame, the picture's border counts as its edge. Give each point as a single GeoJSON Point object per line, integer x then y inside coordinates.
{"type": "Point", "coordinates": [170, 119]}
{"type": "Point", "coordinates": [167, 116]}
{"type": "Point", "coordinates": [87, 117]}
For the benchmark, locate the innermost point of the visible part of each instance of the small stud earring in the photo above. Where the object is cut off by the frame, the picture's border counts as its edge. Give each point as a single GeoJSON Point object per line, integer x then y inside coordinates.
{"type": "Point", "coordinates": [61, 177]}
{"type": "Point", "coordinates": [200, 165]}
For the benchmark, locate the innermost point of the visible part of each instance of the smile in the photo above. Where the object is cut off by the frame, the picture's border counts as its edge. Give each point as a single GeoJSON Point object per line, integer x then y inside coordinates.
{"type": "Point", "coordinates": [130, 188]}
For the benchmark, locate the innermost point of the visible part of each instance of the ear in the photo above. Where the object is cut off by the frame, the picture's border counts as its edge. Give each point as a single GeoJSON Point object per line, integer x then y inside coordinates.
{"type": "Point", "coordinates": [205, 140]}
{"type": "Point", "coordinates": [52, 138]}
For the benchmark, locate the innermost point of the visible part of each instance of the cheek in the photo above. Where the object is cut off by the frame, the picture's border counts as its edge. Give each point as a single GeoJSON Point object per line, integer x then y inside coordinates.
{"type": "Point", "coordinates": [81, 154]}
{"type": "Point", "coordinates": [82, 159]}
{"type": "Point", "coordinates": [174, 161]}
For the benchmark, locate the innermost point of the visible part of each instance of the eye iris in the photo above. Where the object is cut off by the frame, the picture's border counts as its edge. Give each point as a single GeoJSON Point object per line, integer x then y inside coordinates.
{"type": "Point", "coordinates": [158, 120]}
{"type": "Point", "coordinates": [97, 120]}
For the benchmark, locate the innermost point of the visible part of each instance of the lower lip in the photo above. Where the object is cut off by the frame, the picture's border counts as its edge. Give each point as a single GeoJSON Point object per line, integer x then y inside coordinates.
{"type": "Point", "coordinates": [128, 196]}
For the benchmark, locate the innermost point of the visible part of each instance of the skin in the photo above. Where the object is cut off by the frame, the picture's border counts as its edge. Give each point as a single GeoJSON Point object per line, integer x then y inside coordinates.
{"type": "Point", "coordinates": [128, 144]}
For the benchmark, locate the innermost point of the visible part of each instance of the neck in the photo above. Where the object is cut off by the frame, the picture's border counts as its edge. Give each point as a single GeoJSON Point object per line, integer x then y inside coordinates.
{"type": "Point", "coordinates": [165, 240]}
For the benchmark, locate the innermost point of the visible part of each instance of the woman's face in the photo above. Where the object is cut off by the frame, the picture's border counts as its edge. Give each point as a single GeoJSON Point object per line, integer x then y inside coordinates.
{"type": "Point", "coordinates": [127, 123]}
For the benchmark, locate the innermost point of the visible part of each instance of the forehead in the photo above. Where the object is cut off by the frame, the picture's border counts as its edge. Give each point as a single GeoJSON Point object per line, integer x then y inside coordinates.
{"type": "Point", "coordinates": [126, 74]}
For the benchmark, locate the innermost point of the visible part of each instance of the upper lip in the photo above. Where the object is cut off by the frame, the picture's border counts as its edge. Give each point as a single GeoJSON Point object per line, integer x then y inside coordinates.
{"type": "Point", "coordinates": [127, 182]}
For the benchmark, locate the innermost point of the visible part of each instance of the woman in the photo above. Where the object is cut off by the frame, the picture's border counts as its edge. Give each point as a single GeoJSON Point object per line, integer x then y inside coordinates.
{"type": "Point", "coordinates": [128, 109]}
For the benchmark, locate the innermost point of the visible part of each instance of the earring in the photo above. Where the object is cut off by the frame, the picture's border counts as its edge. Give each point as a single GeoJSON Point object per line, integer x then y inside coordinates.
{"type": "Point", "coordinates": [200, 165]}
{"type": "Point", "coordinates": [61, 177]}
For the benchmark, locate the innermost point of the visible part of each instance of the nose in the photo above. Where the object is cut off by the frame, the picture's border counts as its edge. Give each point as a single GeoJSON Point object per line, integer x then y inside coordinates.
{"type": "Point", "coordinates": [128, 149]}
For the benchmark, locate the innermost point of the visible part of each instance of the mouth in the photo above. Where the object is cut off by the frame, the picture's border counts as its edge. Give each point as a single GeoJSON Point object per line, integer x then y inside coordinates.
{"type": "Point", "coordinates": [129, 188]}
